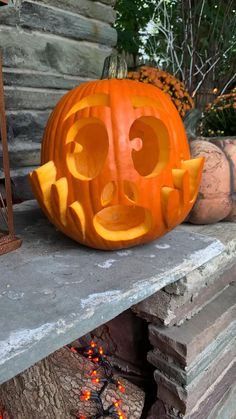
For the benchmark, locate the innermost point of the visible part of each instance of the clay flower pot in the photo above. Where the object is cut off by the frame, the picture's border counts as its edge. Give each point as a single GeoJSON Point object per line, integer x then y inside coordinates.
{"type": "Point", "coordinates": [217, 195]}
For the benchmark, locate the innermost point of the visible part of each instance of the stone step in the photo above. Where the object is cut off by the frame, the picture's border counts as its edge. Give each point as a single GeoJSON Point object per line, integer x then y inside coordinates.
{"type": "Point", "coordinates": [26, 126]}
{"type": "Point", "coordinates": [21, 189]}
{"type": "Point", "coordinates": [184, 343]}
{"type": "Point", "coordinates": [39, 79]}
{"type": "Point", "coordinates": [48, 53]}
{"type": "Point", "coordinates": [40, 17]}
{"type": "Point", "coordinates": [22, 154]}
{"type": "Point", "coordinates": [94, 10]}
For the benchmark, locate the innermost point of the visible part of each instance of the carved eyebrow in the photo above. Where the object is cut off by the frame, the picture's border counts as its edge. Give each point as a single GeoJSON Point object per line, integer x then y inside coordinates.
{"type": "Point", "coordinates": [143, 101]}
{"type": "Point", "coordinates": [99, 99]}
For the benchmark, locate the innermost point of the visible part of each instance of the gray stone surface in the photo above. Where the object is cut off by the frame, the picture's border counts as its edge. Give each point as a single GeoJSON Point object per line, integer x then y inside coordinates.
{"type": "Point", "coordinates": [30, 98]}
{"type": "Point", "coordinates": [185, 375]}
{"type": "Point", "coordinates": [22, 155]}
{"type": "Point", "coordinates": [186, 398]}
{"type": "Point", "coordinates": [66, 24]}
{"type": "Point", "coordinates": [218, 402]}
{"type": "Point", "coordinates": [214, 394]}
{"type": "Point", "coordinates": [92, 9]}
{"type": "Point", "coordinates": [43, 52]}
{"type": "Point", "coordinates": [181, 300]}
{"type": "Point", "coordinates": [184, 343]}
{"type": "Point", "coordinates": [53, 290]}
{"type": "Point", "coordinates": [49, 47]}
{"type": "Point", "coordinates": [226, 407]}
{"type": "Point", "coordinates": [46, 80]}
{"type": "Point", "coordinates": [196, 361]}
{"type": "Point", "coordinates": [27, 126]}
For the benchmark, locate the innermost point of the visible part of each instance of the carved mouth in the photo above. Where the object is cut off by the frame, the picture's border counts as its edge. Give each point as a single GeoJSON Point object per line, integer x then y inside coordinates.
{"type": "Point", "coordinates": [120, 222]}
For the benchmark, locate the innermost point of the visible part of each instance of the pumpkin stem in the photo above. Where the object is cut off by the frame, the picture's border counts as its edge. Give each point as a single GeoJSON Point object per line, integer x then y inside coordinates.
{"type": "Point", "coordinates": [115, 67]}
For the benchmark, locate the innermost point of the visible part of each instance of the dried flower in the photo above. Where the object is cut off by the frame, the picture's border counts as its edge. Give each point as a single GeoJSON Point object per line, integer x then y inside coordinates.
{"type": "Point", "coordinates": [219, 118]}
{"type": "Point", "coordinates": [166, 82]}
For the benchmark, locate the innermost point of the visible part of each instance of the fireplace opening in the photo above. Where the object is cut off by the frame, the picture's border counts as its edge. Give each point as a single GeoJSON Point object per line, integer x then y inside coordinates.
{"type": "Point", "coordinates": [104, 374]}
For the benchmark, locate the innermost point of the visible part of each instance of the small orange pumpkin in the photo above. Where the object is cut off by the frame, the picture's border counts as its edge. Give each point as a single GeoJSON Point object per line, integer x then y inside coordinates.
{"type": "Point", "coordinates": [116, 168]}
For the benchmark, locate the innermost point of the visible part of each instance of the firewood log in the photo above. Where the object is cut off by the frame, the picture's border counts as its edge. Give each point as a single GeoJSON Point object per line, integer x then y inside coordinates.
{"type": "Point", "coordinates": [51, 389]}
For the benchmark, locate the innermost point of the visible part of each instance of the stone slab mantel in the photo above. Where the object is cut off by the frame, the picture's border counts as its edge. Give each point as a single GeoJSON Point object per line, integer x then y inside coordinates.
{"type": "Point", "coordinates": [52, 290]}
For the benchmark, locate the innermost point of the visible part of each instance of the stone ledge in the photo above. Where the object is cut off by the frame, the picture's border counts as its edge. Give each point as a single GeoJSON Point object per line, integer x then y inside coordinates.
{"type": "Point", "coordinates": [183, 299]}
{"type": "Point", "coordinates": [53, 290]}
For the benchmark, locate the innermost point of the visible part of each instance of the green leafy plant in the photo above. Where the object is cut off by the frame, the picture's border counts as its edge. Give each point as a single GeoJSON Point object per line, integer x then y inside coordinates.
{"type": "Point", "coordinates": [219, 118]}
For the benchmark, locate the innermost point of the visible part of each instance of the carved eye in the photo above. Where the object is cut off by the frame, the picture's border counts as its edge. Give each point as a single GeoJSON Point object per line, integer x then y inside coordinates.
{"type": "Point", "coordinates": [151, 145]}
{"type": "Point", "coordinates": [87, 148]}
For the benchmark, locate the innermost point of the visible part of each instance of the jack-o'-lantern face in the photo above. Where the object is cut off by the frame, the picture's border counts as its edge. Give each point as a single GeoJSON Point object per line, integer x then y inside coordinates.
{"type": "Point", "coordinates": [116, 169]}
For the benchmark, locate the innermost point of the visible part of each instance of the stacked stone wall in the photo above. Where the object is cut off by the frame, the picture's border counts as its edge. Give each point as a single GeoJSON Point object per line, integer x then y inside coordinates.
{"type": "Point", "coordinates": [49, 47]}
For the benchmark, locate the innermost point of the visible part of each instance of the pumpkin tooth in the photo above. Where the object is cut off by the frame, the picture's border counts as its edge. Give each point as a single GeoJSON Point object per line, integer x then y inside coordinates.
{"type": "Point", "coordinates": [194, 168]}
{"type": "Point", "coordinates": [41, 181]}
{"type": "Point", "coordinates": [171, 208]}
{"type": "Point", "coordinates": [181, 182]}
{"type": "Point", "coordinates": [76, 216]}
{"type": "Point", "coordinates": [59, 195]}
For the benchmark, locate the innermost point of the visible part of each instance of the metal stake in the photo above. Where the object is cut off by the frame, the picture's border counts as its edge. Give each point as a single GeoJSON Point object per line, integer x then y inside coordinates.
{"type": "Point", "coordinates": [8, 241]}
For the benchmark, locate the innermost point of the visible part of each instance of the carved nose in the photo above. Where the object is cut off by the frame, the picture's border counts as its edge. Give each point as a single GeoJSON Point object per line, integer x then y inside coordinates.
{"type": "Point", "coordinates": [130, 191]}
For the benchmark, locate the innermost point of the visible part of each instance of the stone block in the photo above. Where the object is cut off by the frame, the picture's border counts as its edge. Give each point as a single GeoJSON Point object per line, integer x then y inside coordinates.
{"type": "Point", "coordinates": [196, 361]}
{"type": "Point", "coordinates": [214, 394]}
{"type": "Point", "coordinates": [22, 154]}
{"type": "Point", "coordinates": [174, 309]}
{"type": "Point", "coordinates": [159, 410]}
{"type": "Point", "coordinates": [186, 342]}
{"type": "Point", "coordinates": [110, 2]}
{"type": "Point", "coordinates": [28, 98]}
{"type": "Point", "coordinates": [226, 232]}
{"type": "Point", "coordinates": [226, 407]}
{"type": "Point", "coordinates": [46, 80]}
{"type": "Point", "coordinates": [21, 188]}
{"type": "Point", "coordinates": [219, 403]}
{"type": "Point", "coordinates": [65, 24]}
{"type": "Point", "coordinates": [184, 298]}
{"type": "Point", "coordinates": [93, 9]}
{"type": "Point", "coordinates": [185, 375]}
{"type": "Point", "coordinates": [26, 126]}
{"type": "Point", "coordinates": [9, 15]}
{"type": "Point", "coordinates": [186, 398]}
{"type": "Point", "coordinates": [47, 53]}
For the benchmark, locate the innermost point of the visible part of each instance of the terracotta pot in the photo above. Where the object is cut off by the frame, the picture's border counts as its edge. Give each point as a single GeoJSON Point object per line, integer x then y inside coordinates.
{"type": "Point", "coordinates": [217, 195]}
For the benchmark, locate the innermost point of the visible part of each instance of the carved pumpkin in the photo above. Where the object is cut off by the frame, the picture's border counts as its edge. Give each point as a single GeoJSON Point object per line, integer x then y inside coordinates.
{"type": "Point", "coordinates": [217, 195]}
{"type": "Point", "coordinates": [115, 165]}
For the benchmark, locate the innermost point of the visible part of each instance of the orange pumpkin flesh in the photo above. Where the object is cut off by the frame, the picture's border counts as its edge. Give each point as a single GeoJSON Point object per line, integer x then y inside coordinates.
{"type": "Point", "coordinates": [116, 168]}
